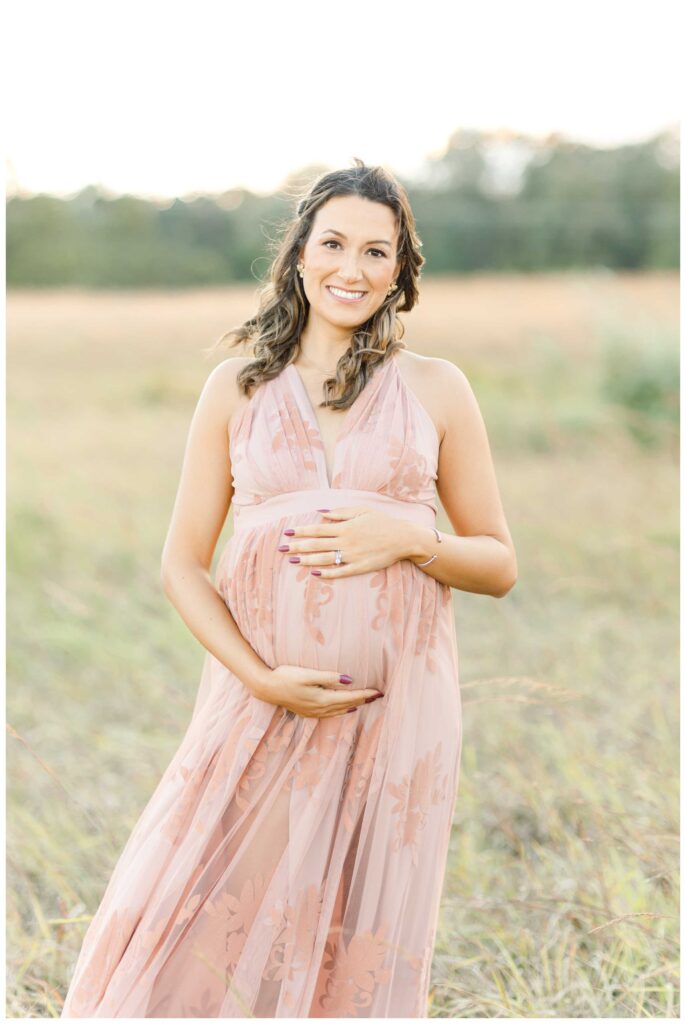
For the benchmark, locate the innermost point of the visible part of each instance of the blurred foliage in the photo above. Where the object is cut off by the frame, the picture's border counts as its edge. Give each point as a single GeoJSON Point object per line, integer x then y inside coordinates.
{"type": "Point", "coordinates": [489, 202]}
{"type": "Point", "coordinates": [641, 375]}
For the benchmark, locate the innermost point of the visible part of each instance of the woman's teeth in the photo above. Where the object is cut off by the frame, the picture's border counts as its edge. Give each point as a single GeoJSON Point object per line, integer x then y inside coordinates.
{"type": "Point", "coordinates": [346, 296]}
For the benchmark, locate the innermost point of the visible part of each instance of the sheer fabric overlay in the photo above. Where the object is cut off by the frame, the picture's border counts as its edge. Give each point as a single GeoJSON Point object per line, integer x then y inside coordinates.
{"type": "Point", "coordinates": [288, 866]}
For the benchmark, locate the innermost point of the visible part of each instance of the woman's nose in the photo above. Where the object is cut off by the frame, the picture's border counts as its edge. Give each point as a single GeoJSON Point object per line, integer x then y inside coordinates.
{"type": "Point", "coordinates": [350, 269]}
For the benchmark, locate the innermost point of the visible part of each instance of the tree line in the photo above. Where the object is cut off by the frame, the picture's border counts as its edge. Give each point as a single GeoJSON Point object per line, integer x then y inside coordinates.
{"type": "Point", "coordinates": [489, 202]}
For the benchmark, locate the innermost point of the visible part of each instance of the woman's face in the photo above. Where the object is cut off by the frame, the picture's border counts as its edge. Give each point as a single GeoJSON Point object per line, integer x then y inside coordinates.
{"type": "Point", "coordinates": [352, 248]}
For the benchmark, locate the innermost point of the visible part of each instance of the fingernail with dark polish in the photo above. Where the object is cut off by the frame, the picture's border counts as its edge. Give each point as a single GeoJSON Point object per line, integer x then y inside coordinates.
{"type": "Point", "coordinates": [284, 547]}
{"type": "Point", "coordinates": [343, 678]}
{"type": "Point", "coordinates": [323, 510]}
{"type": "Point", "coordinates": [289, 533]}
{"type": "Point", "coordinates": [316, 572]}
{"type": "Point", "coordinates": [294, 558]}
{"type": "Point", "coordinates": [350, 710]}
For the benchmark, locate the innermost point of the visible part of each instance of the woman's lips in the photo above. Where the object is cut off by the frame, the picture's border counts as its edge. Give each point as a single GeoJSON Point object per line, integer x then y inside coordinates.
{"type": "Point", "coordinates": [340, 298]}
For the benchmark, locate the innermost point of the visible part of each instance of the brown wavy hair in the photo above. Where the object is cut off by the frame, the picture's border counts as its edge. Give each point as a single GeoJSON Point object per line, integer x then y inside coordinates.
{"type": "Point", "coordinates": [274, 331]}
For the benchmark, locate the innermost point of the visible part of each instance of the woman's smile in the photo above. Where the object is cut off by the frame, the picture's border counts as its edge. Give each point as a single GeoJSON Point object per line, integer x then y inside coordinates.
{"type": "Point", "coordinates": [343, 295]}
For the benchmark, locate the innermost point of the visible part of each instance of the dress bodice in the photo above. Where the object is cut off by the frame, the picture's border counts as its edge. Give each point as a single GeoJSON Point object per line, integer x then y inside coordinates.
{"type": "Point", "coordinates": [387, 442]}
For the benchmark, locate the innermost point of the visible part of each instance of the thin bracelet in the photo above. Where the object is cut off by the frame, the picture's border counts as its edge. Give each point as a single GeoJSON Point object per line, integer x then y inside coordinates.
{"type": "Point", "coordinates": [440, 540]}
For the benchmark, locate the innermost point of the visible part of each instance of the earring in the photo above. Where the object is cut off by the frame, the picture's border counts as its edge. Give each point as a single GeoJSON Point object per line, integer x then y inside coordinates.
{"type": "Point", "coordinates": [391, 289]}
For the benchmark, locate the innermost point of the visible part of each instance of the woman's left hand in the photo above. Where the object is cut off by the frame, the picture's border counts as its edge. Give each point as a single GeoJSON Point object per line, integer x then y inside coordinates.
{"type": "Point", "coordinates": [368, 540]}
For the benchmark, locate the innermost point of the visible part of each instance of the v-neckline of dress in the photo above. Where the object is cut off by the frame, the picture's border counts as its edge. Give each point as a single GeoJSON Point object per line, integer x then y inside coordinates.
{"type": "Point", "coordinates": [309, 410]}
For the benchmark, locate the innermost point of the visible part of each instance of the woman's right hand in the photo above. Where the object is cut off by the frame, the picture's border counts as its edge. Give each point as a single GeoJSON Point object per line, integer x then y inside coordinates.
{"type": "Point", "coordinates": [311, 692]}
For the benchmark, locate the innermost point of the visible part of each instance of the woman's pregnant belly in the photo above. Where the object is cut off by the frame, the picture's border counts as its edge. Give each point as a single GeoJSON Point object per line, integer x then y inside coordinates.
{"type": "Point", "coordinates": [353, 624]}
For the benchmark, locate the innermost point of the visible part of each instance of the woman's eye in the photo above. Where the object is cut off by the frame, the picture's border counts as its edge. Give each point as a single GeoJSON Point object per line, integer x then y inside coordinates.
{"type": "Point", "coordinates": [331, 241]}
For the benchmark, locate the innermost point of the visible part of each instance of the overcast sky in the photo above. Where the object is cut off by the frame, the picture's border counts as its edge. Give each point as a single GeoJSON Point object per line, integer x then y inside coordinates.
{"type": "Point", "coordinates": [166, 98]}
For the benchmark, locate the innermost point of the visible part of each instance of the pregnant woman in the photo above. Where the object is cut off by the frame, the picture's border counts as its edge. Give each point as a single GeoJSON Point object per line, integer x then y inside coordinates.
{"type": "Point", "coordinates": [291, 859]}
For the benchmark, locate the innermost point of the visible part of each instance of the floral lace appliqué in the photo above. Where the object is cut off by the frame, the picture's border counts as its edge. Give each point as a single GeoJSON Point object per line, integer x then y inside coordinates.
{"type": "Point", "coordinates": [356, 970]}
{"type": "Point", "coordinates": [415, 796]}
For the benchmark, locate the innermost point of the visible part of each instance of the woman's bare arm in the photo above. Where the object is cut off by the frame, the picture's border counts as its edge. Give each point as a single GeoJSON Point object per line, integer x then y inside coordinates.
{"type": "Point", "coordinates": [202, 503]}
{"type": "Point", "coordinates": [481, 557]}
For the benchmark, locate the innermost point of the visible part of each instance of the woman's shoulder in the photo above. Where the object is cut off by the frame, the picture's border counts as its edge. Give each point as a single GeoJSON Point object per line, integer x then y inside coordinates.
{"type": "Point", "coordinates": [228, 369]}
{"type": "Point", "coordinates": [432, 369]}
{"type": "Point", "coordinates": [439, 384]}
{"type": "Point", "coordinates": [223, 379]}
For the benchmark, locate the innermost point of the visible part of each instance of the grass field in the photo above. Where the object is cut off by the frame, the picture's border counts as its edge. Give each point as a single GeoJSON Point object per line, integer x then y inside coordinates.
{"type": "Point", "coordinates": [562, 893]}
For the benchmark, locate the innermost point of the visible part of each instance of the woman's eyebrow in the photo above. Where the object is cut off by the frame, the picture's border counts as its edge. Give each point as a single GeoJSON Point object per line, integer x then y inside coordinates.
{"type": "Point", "coordinates": [373, 241]}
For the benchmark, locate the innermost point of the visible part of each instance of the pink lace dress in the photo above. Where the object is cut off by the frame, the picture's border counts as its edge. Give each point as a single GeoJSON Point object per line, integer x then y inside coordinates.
{"type": "Point", "coordinates": [288, 866]}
